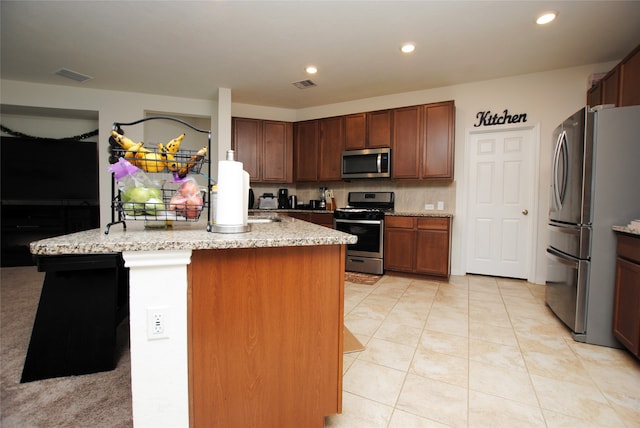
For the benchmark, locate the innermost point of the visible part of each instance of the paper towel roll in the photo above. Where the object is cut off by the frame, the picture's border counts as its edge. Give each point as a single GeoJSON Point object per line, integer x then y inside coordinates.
{"type": "Point", "coordinates": [231, 208]}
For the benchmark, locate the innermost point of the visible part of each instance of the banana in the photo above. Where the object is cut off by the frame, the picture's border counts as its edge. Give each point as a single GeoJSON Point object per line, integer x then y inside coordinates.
{"type": "Point", "coordinates": [124, 142]}
{"type": "Point", "coordinates": [151, 161]}
{"type": "Point", "coordinates": [174, 145]}
{"type": "Point", "coordinates": [132, 152]}
{"type": "Point", "coordinates": [193, 161]}
{"type": "Point", "coordinates": [169, 158]}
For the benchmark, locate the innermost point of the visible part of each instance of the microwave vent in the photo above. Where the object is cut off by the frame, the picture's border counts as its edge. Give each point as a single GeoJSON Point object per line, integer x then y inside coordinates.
{"type": "Point", "coordinates": [304, 84]}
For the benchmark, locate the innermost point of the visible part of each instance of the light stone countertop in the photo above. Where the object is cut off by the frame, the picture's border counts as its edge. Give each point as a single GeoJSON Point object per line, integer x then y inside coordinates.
{"type": "Point", "coordinates": [287, 232]}
{"type": "Point", "coordinates": [626, 229]}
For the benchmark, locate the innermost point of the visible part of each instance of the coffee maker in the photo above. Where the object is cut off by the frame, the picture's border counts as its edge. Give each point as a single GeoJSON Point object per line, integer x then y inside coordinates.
{"type": "Point", "coordinates": [283, 199]}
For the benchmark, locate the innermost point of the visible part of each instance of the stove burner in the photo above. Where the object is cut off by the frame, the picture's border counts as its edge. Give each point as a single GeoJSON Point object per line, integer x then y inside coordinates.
{"type": "Point", "coordinates": [352, 213]}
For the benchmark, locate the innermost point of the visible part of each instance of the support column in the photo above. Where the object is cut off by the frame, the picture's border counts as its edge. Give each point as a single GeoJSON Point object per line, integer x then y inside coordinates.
{"type": "Point", "coordinates": [159, 366]}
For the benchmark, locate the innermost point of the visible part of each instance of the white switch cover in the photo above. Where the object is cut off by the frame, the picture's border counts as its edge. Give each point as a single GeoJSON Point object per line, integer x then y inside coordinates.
{"type": "Point", "coordinates": [428, 206]}
{"type": "Point", "coordinates": [440, 205]}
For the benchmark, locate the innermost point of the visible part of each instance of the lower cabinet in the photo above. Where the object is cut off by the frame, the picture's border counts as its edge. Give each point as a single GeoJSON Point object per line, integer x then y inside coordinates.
{"type": "Point", "coordinates": [626, 315]}
{"type": "Point", "coordinates": [322, 219]}
{"type": "Point", "coordinates": [417, 245]}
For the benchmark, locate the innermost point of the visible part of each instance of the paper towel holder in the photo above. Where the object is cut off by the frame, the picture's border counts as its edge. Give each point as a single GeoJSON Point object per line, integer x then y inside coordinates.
{"type": "Point", "coordinates": [230, 228]}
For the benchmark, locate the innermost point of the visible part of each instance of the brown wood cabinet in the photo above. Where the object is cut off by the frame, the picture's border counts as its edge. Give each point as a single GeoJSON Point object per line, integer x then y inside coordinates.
{"type": "Point", "coordinates": [621, 85]}
{"type": "Point", "coordinates": [330, 147]}
{"type": "Point", "coordinates": [626, 318]}
{"type": "Point", "coordinates": [630, 79]}
{"type": "Point", "coordinates": [368, 130]}
{"type": "Point", "coordinates": [306, 136]}
{"type": "Point", "coordinates": [405, 156]}
{"type": "Point", "coordinates": [322, 219]}
{"type": "Point", "coordinates": [265, 148]}
{"type": "Point", "coordinates": [438, 144]}
{"type": "Point", "coordinates": [265, 352]}
{"type": "Point", "coordinates": [318, 149]}
{"type": "Point", "coordinates": [355, 131]}
{"type": "Point", "coordinates": [417, 245]}
{"type": "Point", "coordinates": [423, 142]}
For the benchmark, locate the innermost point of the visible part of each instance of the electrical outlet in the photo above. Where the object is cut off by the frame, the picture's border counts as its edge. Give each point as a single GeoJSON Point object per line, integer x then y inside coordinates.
{"type": "Point", "coordinates": [157, 322]}
{"type": "Point", "coordinates": [440, 205]}
{"type": "Point", "coordinates": [428, 206]}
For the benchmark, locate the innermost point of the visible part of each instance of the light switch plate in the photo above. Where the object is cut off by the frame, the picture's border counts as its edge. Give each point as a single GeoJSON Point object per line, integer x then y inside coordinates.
{"type": "Point", "coordinates": [428, 206]}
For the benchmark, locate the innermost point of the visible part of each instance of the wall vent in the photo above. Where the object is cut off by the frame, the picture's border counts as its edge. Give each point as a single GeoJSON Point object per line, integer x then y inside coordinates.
{"type": "Point", "coordinates": [73, 75]}
{"type": "Point", "coordinates": [304, 84]}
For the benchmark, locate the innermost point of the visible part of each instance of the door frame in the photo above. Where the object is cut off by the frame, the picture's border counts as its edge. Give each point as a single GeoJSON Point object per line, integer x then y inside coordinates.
{"type": "Point", "coordinates": [534, 191]}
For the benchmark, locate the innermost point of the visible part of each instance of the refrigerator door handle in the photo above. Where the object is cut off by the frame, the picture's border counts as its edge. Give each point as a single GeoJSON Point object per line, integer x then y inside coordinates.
{"type": "Point", "coordinates": [558, 190]}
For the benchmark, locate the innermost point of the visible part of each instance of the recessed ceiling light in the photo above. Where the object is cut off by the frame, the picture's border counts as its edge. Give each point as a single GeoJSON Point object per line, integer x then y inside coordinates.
{"type": "Point", "coordinates": [311, 69]}
{"type": "Point", "coordinates": [546, 17]}
{"type": "Point", "coordinates": [408, 47]}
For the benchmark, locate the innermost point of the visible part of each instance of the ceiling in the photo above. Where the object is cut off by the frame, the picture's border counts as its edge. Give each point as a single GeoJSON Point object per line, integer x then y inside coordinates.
{"type": "Point", "coordinates": [258, 48]}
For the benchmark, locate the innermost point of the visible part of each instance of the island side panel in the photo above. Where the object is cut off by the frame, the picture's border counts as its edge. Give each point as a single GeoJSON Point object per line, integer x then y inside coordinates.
{"type": "Point", "coordinates": [265, 336]}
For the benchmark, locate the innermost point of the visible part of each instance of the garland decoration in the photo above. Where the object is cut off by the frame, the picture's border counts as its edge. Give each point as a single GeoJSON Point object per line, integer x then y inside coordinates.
{"type": "Point", "coordinates": [20, 134]}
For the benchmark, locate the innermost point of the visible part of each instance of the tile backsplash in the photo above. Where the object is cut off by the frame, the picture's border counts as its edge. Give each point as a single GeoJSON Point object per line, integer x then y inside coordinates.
{"type": "Point", "coordinates": [410, 196]}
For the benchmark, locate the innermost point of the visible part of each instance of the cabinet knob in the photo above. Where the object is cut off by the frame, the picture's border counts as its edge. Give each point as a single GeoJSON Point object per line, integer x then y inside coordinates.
{"type": "Point", "coordinates": [525, 211]}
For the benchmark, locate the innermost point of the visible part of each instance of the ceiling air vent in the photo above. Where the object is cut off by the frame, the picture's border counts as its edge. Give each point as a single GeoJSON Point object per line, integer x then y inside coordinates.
{"type": "Point", "coordinates": [304, 84]}
{"type": "Point", "coordinates": [73, 75]}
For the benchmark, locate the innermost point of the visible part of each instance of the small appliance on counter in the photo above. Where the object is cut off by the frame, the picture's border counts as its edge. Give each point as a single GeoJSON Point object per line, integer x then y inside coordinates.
{"type": "Point", "coordinates": [293, 202]}
{"type": "Point", "coordinates": [323, 198]}
{"type": "Point", "coordinates": [283, 199]}
{"type": "Point", "coordinates": [252, 199]}
{"type": "Point", "coordinates": [267, 202]}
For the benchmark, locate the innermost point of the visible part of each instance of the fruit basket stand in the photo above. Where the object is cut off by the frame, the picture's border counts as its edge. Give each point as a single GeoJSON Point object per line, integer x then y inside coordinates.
{"type": "Point", "coordinates": [161, 188]}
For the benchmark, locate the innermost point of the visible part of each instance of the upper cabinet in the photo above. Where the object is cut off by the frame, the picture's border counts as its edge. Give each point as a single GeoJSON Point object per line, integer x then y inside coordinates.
{"type": "Point", "coordinates": [405, 153]}
{"type": "Point", "coordinates": [355, 131]}
{"type": "Point", "coordinates": [437, 147]}
{"type": "Point", "coordinates": [630, 79]}
{"type": "Point", "coordinates": [306, 137]}
{"type": "Point", "coordinates": [330, 148]}
{"type": "Point", "coordinates": [423, 142]}
{"type": "Point", "coordinates": [368, 130]}
{"type": "Point", "coordinates": [620, 86]}
{"type": "Point", "coordinates": [265, 148]}
{"type": "Point", "coordinates": [318, 149]}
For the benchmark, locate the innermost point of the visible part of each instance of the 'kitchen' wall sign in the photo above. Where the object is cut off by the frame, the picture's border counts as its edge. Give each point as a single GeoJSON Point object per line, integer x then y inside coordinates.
{"type": "Point", "coordinates": [485, 118]}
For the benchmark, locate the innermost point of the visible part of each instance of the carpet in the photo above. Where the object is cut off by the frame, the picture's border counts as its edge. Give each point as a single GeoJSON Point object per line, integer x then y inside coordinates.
{"type": "Point", "coordinates": [99, 400]}
{"type": "Point", "coordinates": [361, 278]}
{"type": "Point", "coordinates": [351, 344]}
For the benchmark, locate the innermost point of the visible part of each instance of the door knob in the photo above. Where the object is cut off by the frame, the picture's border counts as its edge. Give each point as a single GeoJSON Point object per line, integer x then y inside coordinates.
{"type": "Point", "coordinates": [525, 211]}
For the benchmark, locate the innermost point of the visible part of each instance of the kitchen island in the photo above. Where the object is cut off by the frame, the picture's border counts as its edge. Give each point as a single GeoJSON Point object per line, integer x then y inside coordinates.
{"type": "Point", "coordinates": [252, 332]}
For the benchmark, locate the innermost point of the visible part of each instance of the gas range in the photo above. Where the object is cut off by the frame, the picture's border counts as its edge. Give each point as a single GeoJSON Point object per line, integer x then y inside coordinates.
{"type": "Point", "coordinates": [364, 217]}
{"type": "Point", "coordinates": [366, 206]}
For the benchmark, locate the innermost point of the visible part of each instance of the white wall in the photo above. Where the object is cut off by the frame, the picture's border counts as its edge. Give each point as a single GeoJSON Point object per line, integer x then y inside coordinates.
{"type": "Point", "coordinates": [112, 106]}
{"type": "Point", "coordinates": [547, 98]}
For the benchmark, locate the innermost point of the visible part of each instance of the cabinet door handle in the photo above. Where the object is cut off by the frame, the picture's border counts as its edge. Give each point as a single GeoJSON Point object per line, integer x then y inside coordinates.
{"type": "Point", "coordinates": [525, 211]}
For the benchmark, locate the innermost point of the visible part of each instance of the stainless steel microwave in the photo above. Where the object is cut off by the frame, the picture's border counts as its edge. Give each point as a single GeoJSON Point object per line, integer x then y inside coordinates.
{"type": "Point", "coordinates": [366, 163]}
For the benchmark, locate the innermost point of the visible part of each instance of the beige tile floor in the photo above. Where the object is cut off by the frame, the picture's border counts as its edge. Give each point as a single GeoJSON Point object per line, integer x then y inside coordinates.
{"type": "Point", "coordinates": [476, 352]}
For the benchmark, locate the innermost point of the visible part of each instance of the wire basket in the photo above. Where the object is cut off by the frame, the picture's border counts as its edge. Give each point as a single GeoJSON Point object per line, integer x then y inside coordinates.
{"type": "Point", "coordinates": [182, 163]}
{"type": "Point", "coordinates": [166, 208]}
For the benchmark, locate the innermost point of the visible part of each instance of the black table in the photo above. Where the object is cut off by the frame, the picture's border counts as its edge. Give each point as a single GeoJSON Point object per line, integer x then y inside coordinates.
{"type": "Point", "coordinates": [84, 299]}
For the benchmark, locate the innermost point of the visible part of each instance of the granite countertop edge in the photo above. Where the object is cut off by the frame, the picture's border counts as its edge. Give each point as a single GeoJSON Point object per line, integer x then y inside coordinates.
{"type": "Point", "coordinates": [626, 229]}
{"type": "Point", "coordinates": [289, 232]}
{"type": "Point", "coordinates": [388, 214]}
{"type": "Point", "coordinates": [419, 214]}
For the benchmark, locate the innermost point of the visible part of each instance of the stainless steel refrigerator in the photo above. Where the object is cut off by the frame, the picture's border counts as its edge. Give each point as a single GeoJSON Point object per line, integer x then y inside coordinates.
{"type": "Point", "coordinates": [595, 184]}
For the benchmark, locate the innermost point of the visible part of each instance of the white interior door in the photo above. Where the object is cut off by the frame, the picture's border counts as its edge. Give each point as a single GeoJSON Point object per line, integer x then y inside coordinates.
{"type": "Point", "coordinates": [500, 189]}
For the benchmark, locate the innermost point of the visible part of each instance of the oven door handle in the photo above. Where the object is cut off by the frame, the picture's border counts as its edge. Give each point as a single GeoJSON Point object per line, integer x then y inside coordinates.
{"type": "Point", "coordinates": [358, 221]}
